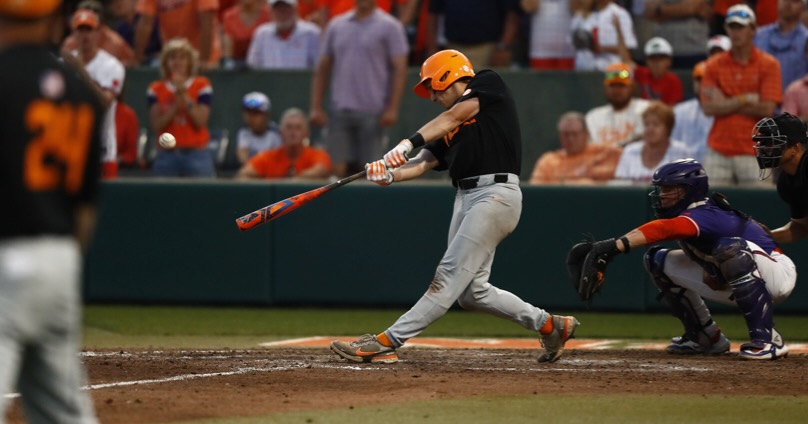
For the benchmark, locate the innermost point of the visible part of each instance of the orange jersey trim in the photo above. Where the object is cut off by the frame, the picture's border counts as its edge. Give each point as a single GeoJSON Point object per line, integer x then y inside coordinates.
{"type": "Point", "coordinates": [669, 229]}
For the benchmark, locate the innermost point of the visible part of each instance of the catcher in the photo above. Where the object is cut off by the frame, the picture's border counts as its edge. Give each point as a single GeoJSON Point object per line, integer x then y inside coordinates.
{"type": "Point", "coordinates": [723, 256]}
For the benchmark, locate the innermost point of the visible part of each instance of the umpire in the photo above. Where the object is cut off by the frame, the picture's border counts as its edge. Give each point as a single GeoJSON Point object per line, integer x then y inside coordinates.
{"type": "Point", "coordinates": [50, 137]}
{"type": "Point", "coordinates": [780, 142]}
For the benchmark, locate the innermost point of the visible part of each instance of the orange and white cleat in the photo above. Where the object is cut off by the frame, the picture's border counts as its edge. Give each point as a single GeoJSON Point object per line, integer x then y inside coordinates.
{"type": "Point", "coordinates": [365, 349]}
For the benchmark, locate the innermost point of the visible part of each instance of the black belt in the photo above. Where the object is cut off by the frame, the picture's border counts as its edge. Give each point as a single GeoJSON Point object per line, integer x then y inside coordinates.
{"type": "Point", "coordinates": [470, 183]}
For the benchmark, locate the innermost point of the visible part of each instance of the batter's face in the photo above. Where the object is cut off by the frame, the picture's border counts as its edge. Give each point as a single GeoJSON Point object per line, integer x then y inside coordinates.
{"type": "Point", "coordinates": [448, 97]}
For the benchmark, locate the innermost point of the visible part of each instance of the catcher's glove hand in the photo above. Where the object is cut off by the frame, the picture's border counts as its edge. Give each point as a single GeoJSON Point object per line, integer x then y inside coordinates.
{"type": "Point", "coordinates": [586, 264]}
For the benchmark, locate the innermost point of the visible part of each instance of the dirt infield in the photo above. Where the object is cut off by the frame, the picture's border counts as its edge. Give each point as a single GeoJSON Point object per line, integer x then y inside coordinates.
{"type": "Point", "coordinates": [164, 386]}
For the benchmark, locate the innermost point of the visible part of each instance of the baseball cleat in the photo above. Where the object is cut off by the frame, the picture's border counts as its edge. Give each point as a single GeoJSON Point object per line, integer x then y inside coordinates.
{"type": "Point", "coordinates": [365, 349]}
{"type": "Point", "coordinates": [684, 346]}
{"type": "Point", "coordinates": [553, 343]}
{"type": "Point", "coordinates": [759, 349]}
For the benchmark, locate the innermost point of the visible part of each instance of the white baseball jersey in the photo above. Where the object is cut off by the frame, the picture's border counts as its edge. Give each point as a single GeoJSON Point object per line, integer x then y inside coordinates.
{"type": "Point", "coordinates": [631, 167]}
{"type": "Point", "coordinates": [109, 73]}
{"type": "Point", "coordinates": [550, 30]}
{"type": "Point", "coordinates": [299, 51]}
{"type": "Point", "coordinates": [616, 127]}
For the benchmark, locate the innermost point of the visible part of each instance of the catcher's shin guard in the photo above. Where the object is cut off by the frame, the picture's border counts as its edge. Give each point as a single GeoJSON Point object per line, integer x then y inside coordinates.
{"type": "Point", "coordinates": [684, 304]}
{"type": "Point", "coordinates": [739, 268]}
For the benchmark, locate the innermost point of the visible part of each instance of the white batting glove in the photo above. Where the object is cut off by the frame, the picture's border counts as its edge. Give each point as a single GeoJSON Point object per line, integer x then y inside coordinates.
{"type": "Point", "coordinates": [398, 156]}
{"type": "Point", "coordinates": [379, 173]}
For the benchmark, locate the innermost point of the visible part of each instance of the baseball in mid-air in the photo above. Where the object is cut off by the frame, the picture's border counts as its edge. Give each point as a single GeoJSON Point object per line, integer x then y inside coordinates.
{"type": "Point", "coordinates": [167, 140]}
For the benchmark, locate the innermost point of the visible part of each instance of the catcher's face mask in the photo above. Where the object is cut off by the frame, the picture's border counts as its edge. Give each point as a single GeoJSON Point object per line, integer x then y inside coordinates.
{"type": "Point", "coordinates": [665, 199]}
{"type": "Point", "coordinates": [769, 146]}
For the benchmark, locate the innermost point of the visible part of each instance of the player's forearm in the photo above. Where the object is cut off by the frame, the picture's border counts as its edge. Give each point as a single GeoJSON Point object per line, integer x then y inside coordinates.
{"type": "Point", "coordinates": [791, 232]}
{"type": "Point", "coordinates": [415, 167]}
{"type": "Point", "coordinates": [447, 121]}
{"type": "Point", "coordinates": [635, 238]}
{"type": "Point", "coordinates": [85, 225]}
{"type": "Point", "coordinates": [399, 81]}
{"type": "Point", "coordinates": [142, 34]}
{"type": "Point", "coordinates": [205, 36]}
{"type": "Point", "coordinates": [318, 83]}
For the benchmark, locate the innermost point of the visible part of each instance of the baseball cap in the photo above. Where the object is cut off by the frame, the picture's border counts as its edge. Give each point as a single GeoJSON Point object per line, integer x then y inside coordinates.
{"type": "Point", "coordinates": [719, 41]}
{"type": "Point", "coordinates": [256, 100]}
{"type": "Point", "coordinates": [618, 73]}
{"type": "Point", "coordinates": [698, 70]}
{"type": "Point", "coordinates": [28, 9]}
{"type": "Point", "coordinates": [658, 46]}
{"type": "Point", "coordinates": [289, 2]}
{"type": "Point", "coordinates": [741, 14]}
{"type": "Point", "coordinates": [84, 17]}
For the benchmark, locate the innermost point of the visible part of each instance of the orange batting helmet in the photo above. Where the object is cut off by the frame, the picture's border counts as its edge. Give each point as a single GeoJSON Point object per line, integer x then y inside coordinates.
{"type": "Point", "coordinates": [443, 68]}
{"type": "Point", "coordinates": [28, 9]}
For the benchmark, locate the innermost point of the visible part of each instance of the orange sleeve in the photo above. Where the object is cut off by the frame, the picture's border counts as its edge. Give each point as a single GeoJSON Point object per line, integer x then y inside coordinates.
{"type": "Point", "coordinates": [668, 229]}
{"type": "Point", "coordinates": [146, 7]}
{"type": "Point", "coordinates": [260, 163]}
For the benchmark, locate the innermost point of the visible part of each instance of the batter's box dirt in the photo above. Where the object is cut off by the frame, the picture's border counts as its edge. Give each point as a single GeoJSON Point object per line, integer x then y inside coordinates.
{"type": "Point", "coordinates": [150, 386]}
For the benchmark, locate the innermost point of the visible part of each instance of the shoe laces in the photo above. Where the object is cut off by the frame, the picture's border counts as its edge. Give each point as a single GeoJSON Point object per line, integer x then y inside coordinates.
{"type": "Point", "coordinates": [364, 340]}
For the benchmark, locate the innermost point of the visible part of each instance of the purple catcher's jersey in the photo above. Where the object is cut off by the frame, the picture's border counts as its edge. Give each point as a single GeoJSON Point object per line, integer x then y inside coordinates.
{"type": "Point", "coordinates": [714, 223]}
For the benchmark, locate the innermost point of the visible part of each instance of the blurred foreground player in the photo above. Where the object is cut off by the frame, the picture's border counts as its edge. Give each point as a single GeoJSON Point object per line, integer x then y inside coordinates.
{"type": "Point", "coordinates": [50, 138]}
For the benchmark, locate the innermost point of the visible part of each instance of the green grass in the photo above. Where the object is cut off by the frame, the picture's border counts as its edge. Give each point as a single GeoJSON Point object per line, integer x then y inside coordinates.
{"type": "Point", "coordinates": [211, 327]}
{"type": "Point", "coordinates": [567, 409]}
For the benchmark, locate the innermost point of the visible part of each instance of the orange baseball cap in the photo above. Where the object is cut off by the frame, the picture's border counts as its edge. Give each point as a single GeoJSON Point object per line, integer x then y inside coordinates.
{"type": "Point", "coordinates": [618, 73]}
{"type": "Point", "coordinates": [698, 70]}
{"type": "Point", "coordinates": [28, 9]}
{"type": "Point", "coordinates": [84, 17]}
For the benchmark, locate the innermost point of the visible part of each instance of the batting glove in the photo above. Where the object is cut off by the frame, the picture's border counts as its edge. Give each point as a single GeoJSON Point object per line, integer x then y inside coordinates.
{"type": "Point", "coordinates": [379, 173]}
{"type": "Point", "coordinates": [398, 156]}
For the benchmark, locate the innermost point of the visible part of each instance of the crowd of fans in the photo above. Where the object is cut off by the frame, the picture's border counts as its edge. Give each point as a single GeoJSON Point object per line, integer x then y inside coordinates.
{"type": "Point", "coordinates": [733, 49]}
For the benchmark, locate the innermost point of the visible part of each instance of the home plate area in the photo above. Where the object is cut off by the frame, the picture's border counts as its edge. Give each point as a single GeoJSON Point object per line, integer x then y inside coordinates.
{"type": "Point", "coordinates": [489, 343]}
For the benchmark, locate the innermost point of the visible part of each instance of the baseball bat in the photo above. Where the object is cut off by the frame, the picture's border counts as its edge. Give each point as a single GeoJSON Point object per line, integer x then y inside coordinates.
{"type": "Point", "coordinates": [278, 209]}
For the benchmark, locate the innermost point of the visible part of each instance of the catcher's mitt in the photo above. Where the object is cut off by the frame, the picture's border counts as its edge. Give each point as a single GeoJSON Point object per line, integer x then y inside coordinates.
{"type": "Point", "coordinates": [586, 264]}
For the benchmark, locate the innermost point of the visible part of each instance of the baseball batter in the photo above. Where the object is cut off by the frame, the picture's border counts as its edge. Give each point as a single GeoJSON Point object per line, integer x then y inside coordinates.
{"type": "Point", "coordinates": [49, 170]}
{"type": "Point", "coordinates": [477, 139]}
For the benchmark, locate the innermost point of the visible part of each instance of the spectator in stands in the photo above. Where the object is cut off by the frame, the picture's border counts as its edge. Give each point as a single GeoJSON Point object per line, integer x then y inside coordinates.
{"type": "Point", "coordinates": [577, 161]}
{"type": "Point", "coordinates": [285, 43]}
{"type": "Point", "coordinates": [368, 42]}
{"type": "Point", "coordinates": [325, 10]}
{"type": "Point", "coordinates": [108, 40]}
{"type": "Point", "coordinates": [620, 121]}
{"type": "Point", "coordinates": [639, 160]}
{"type": "Point", "coordinates": [179, 103]}
{"type": "Point", "coordinates": [193, 20]}
{"type": "Point", "coordinates": [483, 30]}
{"type": "Point", "coordinates": [655, 80]}
{"type": "Point", "coordinates": [127, 132]}
{"type": "Point", "coordinates": [684, 24]}
{"type": "Point", "coordinates": [692, 125]}
{"type": "Point", "coordinates": [259, 132]}
{"type": "Point", "coordinates": [739, 88]}
{"type": "Point", "coordinates": [239, 24]}
{"type": "Point", "coordinates": [550, 41]}
{"type": "Point", "coordinates": [105, 74]}
{"type": "Point", "coordinates": [126, 21]}
{"type": "Point", "coordinates": [765, 11]}
{"type": "Point", "coordinates": [294, 159]}
{"type": "Point", "coordinates": [717, 44]}
{"type": "Point", "coordinates": [612, 33]}
{"type": "Point", "coordinates": [785, 40]}
{"type": "Point", "coordinates": [795, 99]}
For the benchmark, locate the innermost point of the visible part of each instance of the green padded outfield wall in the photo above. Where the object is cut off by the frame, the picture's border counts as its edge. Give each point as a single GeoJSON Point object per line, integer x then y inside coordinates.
{"type": "Point", "coordinates": [541, 97]}
{"type": "Point", "coordinates": [176, 242]}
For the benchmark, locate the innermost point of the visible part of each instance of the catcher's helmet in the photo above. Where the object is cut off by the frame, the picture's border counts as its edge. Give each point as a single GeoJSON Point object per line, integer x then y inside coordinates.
{"type": "Point", "coordinates": [443, 68]}
{"type": "Point", "coordinates": [28, 9]}
{"type": "Point", "coordinates": [773, 135]}
{"type": "Point", "coordinates": [682, 172]}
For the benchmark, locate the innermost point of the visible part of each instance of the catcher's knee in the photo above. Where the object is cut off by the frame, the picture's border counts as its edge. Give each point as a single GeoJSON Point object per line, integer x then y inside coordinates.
{"type": "Point", "coordinates": [735, 260]}
{"type": "Point", "coordinates": [654, 261]}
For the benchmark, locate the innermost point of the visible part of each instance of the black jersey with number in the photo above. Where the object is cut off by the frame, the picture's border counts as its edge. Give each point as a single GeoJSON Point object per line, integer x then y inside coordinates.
{"type": "Point", "coordinates": [50, 143]}
{"type": "Point", "coordinates": [488, 143]}
{"type": "Point", "coordinates": [794, 189]}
